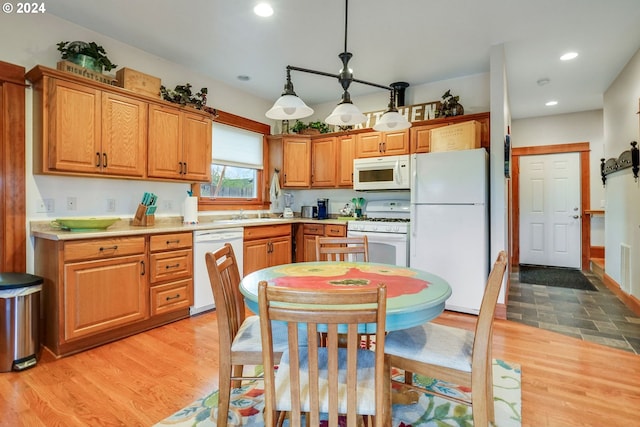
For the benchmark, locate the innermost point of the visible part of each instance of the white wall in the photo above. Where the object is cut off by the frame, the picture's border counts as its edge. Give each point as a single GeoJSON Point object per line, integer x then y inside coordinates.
{"type": "Point", "coordinates": [500, 120]}
{"type": "Point", "coordinates": [585, 126]}
{"type": "Point", "coordinates": [622, 193]}
{"type": "Point", "coordinates": [31, 40]}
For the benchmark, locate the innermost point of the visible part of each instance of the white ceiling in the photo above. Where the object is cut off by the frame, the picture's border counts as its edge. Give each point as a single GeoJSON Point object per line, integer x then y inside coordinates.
{"type": "Point", "coordinates": [417, 41]}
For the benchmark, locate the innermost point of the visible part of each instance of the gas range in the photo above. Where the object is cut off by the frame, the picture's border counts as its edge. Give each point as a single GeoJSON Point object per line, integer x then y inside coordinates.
{"type": "Point", "coordinates": [383, 216]}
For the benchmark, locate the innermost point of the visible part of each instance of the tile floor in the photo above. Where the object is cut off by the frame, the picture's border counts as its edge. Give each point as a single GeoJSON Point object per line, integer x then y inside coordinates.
{"type": "Point", "coordinates": [594, 316]}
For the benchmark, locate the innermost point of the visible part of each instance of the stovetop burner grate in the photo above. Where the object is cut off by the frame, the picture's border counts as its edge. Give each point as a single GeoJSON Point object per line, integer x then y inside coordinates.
{"type": "Point", "coordinates": [383, 219]}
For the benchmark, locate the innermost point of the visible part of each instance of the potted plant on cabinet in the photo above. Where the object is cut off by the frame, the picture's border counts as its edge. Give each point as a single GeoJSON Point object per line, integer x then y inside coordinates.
{"type": "Point", "coordinates": [88, 55]}
{"type": "Point", "coordinates": [312, 128]}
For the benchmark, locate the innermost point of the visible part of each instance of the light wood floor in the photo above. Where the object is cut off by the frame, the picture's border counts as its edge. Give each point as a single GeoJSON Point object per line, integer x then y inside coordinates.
{"type": "Point", "coordinates": [141, 380]}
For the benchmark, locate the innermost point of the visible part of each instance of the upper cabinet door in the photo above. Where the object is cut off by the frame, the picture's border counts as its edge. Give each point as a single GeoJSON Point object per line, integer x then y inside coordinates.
{"type": "Point", "coordinates": [395, 143]}
{"type": "Point", "coordinates": [323, 162]}
{"type": "Point", "coordinates": [165, 150]}
{"type": "Point", "coordinates": [74, 128]}
{"type": "Point", "coordinates": [297, 162]}
{"type": "Point", "coordinates": [369, 144]}
{"type": "Point", "coordinates": [124, 135]}
{"type": "Point", "coordinates": [179, 145]}
{"type": "Point", "coordinates": [346, 154]}
{"type": "Point", "coordinates": [375, 144]}
{"type": "Point", "coordinates": [196, 131]}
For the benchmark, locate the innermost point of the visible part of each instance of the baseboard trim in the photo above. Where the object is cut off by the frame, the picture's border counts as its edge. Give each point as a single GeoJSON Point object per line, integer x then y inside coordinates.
{"type": "Point", "coordinates": [629, 300]}
{"type": "Point", "coordinates": [501, 311]}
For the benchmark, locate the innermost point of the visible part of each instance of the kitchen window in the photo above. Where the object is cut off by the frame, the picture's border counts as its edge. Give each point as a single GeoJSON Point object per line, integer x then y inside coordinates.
{"type": "Point", "coordinates": [238, 156]}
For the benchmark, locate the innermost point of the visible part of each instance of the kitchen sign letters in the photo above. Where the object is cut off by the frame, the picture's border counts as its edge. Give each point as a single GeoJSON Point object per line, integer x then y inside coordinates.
{"type": "Point", "coordinates": [413, 113]}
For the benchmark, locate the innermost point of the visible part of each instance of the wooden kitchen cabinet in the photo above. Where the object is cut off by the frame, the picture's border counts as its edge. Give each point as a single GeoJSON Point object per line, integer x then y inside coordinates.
{"type": "Point", "coordinates": [420, 132]}
{"type": "Point", "coordinates": [291, 155]}
{"type": "Point", "coordinates": [171, 272]}
{"type": "Point", "coordinates": [346, 154]}
{"type": "Point", "coordinates": [92, 289]}
{"type": "Point", "coordinates": [99, 290]}
{"type": "Point", "coordinates": [323, 162]}
{"type": "Point", "coordinates": [179, 144]}
{"type": "Point", "coordinates": [376, 144]}
{"type": "Point", "coordinates": [266, 246]}
{"type": "Point", "coordinates": [309, 233]}
{"type": "Point", "coordinates": [88, 130]}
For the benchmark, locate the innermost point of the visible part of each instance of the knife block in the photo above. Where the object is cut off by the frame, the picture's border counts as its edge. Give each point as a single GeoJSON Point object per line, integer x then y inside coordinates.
{"type": "Point", "coordinates": [141, 218]}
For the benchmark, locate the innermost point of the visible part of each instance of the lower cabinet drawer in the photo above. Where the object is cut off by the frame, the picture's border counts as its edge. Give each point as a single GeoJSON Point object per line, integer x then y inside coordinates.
{"type": "Point", "coordinates": [171, 296]}
{"type": "Point", "coordinates": [171, 265]}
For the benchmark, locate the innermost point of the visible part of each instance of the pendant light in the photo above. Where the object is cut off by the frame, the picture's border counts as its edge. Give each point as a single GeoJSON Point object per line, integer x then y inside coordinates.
{"type": "Point", "coordinates": [289, 106]}
{"type": "Point", "coordinates": [392, 120]}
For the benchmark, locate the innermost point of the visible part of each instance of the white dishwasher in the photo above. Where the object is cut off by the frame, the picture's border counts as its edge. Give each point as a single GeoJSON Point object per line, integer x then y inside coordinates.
{"type": "Point", "coordinates": [210, 241]}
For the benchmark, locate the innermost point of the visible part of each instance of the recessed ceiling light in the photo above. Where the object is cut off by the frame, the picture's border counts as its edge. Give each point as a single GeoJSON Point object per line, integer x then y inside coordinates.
{"type": "Point", "coordinates": [263, 9]}
{"type": "Point", "coordinates": [568, 56]}
{"type": "Point", "coordinates": [243, 78]}
{"type": "Point", "coordinates": [551, 103]}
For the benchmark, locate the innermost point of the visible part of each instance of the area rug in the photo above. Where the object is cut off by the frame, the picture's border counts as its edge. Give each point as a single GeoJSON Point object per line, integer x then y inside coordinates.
{"type": "Point", "coordinates": [247, 404]}
{"type": "Point", "coordinates": [555, 276]}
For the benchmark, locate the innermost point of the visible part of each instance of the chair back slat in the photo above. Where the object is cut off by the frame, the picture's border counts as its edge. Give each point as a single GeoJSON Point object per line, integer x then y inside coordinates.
{"type": "Point", "coordinates": [225, 279]}
{"type": "Point", "coordinates": [336, 315]}
{"type": "Point", "coordinates": [342, 249]}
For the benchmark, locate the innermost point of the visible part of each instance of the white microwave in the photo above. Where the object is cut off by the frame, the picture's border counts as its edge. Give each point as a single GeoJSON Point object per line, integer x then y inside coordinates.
{"type": "Point", "coordinates": [381, 173]}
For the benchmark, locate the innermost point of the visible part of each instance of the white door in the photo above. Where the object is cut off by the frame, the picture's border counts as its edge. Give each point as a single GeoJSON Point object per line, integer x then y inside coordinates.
{"type": "Point", "coordinates": [550, 219]}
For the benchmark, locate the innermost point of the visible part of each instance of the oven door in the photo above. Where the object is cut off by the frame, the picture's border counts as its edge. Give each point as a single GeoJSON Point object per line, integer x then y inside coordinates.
{"type": "Point", "coordinates": [386, 248]}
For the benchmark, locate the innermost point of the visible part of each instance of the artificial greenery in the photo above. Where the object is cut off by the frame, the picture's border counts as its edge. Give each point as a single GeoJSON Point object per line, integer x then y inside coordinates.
{"type": "Point", "coordinates": [91, 49]}
{"type": "Point", "coordinates": [450, 106]}
{"type": "Point", "coordinates": [183, 95]}
{"type": "Point", "coordinates": [300, 126]}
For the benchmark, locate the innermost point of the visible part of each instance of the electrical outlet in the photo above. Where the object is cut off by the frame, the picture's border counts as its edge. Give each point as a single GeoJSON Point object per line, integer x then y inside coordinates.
{"type": "Point", "coordinates": [167, 204]}
{"type": "Point", "coordinates": [72, 203]}
{"type": "Point", "coordinates": [50, 205]}
{"type": "Point", "coordinates": [111, 205]}
{"type": "Point", "coordinates": [41, 207]}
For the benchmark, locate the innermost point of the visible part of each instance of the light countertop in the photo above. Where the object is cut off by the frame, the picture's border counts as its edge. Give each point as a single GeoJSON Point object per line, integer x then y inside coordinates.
{"type": "Point", "coordinates": [44, 229]}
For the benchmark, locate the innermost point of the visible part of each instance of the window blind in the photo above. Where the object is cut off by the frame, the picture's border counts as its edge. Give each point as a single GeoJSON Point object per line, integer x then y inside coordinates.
{"type": "Point", "coordinates": [233, 146]}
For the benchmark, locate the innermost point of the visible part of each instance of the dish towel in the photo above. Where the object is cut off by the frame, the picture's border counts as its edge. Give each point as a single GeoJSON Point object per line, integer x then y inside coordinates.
{"type": "Point", "coordinates": [275, 186]}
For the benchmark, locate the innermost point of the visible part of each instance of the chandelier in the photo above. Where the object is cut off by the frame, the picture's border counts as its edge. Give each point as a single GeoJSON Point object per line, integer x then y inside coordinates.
{"type": "Point", "coordinates": [289, 106]}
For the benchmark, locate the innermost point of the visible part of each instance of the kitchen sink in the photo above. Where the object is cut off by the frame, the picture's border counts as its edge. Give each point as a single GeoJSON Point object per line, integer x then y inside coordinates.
{"type": "Point", "coordinates": [246, 220]}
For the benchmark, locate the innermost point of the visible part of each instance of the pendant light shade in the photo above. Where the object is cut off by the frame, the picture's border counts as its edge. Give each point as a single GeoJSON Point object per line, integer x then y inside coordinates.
{"type": "Point", "coordinates": [346, 114]}
{"type": "Point", "coordinates": [289, 107]}
{"type": "Point", "coordinates": [391, 120]}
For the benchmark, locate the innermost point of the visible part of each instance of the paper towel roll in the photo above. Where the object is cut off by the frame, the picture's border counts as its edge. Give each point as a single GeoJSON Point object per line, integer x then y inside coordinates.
{"type": "Point", "coordinates": [190, 210]}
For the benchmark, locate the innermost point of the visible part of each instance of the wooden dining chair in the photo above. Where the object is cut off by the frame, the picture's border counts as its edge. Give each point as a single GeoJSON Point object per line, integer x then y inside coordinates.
{"type": "Point", "coordinates": [335, 379]}
{"type": "Point", "coordinates": [454, 355]}
{"type": "Point", "coordinates": [238, 334]}
{"type": "Point", "coordinates": [342, 248]}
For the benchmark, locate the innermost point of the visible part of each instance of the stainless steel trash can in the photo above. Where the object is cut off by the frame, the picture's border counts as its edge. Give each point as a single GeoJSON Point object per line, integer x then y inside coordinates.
{"type": "Point", "coordinates": [19, 320]}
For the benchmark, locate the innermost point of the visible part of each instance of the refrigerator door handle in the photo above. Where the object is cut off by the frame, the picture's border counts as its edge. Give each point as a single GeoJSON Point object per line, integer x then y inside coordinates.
{"type": "Point", "coordinates": [414, 226]}
{"type": "Point", "coordinates": [414, 181]}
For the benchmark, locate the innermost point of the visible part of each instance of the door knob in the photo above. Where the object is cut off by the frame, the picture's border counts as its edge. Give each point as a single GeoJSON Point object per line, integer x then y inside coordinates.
{"type": "Point", "coordinates": [576, 216]}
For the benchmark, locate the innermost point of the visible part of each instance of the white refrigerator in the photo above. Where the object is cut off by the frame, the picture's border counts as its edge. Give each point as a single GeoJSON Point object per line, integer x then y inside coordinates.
{"type": "Point", "coordinates": [449, 222]}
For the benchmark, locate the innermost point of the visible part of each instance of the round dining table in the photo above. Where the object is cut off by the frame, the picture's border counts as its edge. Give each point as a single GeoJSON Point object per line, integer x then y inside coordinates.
{"type": "Point", "coordinates": [413, 296]}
